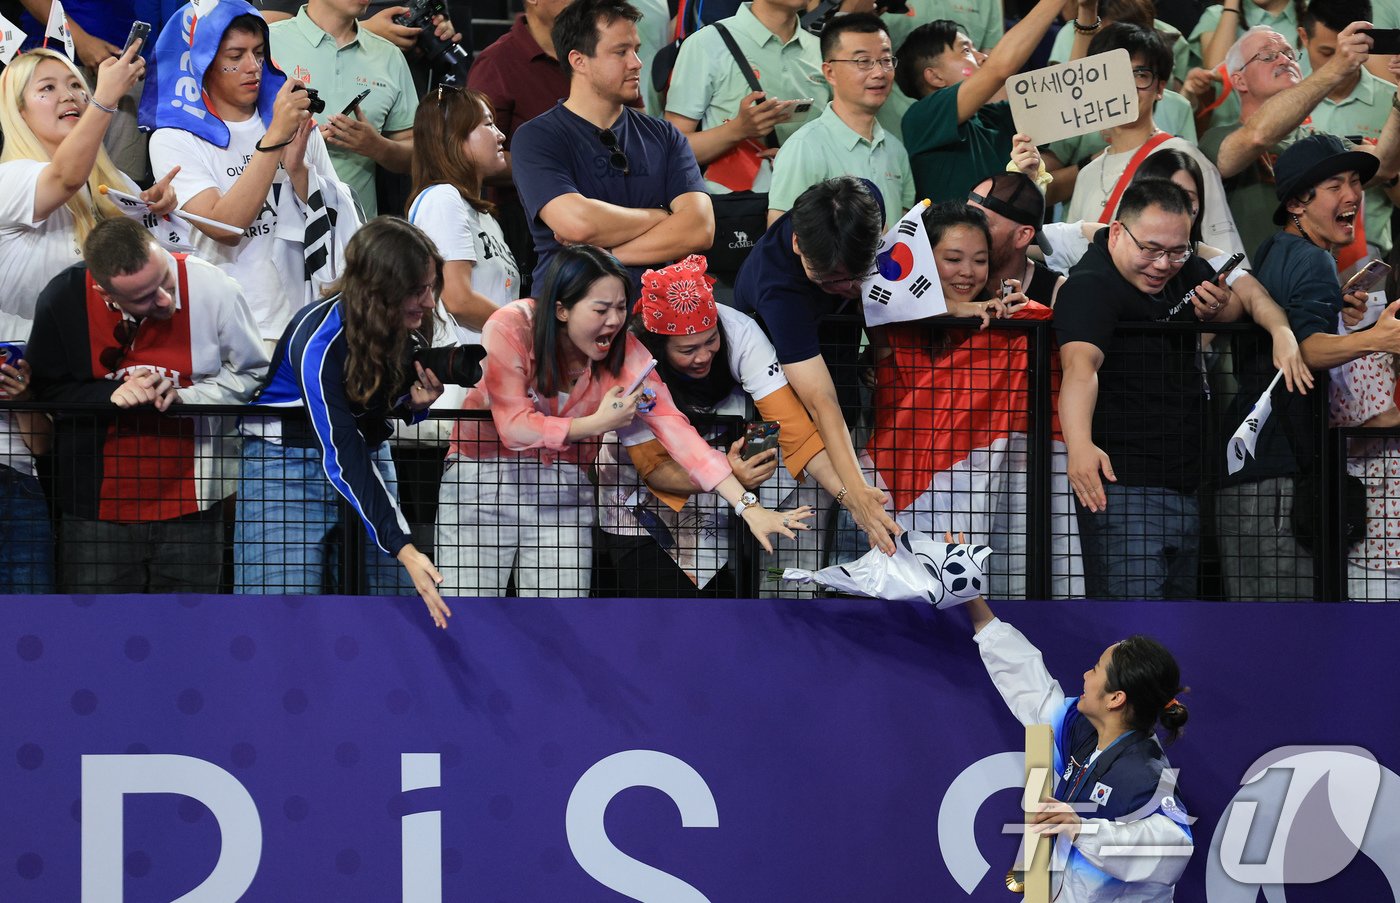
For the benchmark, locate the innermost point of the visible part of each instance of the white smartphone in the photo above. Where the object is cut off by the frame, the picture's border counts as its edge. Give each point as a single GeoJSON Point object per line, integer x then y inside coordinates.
{"type": "Point", "coordinates": [637, 383]}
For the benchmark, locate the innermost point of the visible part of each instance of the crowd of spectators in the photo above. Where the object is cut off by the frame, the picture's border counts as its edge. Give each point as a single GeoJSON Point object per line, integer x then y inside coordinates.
{"type": "Point", "coordinates": [311, 221]}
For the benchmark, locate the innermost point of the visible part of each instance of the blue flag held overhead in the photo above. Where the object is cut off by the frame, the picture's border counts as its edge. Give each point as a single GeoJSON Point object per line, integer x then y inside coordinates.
{"type": "Point", "coordinates": [174, 95]}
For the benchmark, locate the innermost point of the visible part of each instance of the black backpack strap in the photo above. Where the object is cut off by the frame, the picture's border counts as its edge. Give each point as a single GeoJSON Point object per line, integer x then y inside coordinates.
{"type": "Point", "coordinates": [746, 70]}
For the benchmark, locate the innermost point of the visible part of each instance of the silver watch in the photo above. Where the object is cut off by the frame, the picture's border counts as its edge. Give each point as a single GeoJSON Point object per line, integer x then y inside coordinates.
{"type": "Point", "coordinates": [746, 501]}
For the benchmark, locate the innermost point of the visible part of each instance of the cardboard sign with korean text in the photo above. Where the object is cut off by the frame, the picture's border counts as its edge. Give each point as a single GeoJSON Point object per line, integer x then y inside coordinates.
{"type": "Point", "coordinates": [1074, 98]}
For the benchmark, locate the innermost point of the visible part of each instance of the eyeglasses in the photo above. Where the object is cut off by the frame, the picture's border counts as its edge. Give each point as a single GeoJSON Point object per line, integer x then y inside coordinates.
{"type": "Point", "coordinates": [618, 159]}
{"type": "Point", "coordinates": [866, 63]}
{"type": "Point", "coordinates": [125, 335]}
{"type": "Point", "coordinates": [1143, 77]}
{"type": "Point", "coordinates": [1173, 255]}
{"type": "Point", "coordinates": [1268, 56]}
{"type": "Point", "coordinates": [831, 283]}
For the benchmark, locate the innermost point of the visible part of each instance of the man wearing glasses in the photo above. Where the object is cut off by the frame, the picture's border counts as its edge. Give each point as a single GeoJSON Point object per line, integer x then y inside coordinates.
{"type": "Point", "coordinates": [1132, 402]}
{"type": "Point", "coordinates": [1275, 105]}
{"type": "Point", "coordinates": [596, 171]}
{"type": "Point", "coordinates": [958, 132]}
{"type": "Point", "coordinates": [858, 64]}
{"type": "Point", "coordinates": [1097, 179]}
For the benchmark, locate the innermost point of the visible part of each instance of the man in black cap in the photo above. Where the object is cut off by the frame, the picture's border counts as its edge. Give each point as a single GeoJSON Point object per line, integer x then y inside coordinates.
{"type": "Point", "coordinates": [1015, 211]}
{"type": "Point", "coordinates": [1318, 182]}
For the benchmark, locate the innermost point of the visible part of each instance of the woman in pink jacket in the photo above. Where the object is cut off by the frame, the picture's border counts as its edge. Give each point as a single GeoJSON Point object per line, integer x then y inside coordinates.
{"type": "Point", "coordinates": [516, 493]}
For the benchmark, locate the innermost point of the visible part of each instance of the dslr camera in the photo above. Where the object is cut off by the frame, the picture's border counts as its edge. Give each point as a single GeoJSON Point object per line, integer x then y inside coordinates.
{"type": "Point", "coordinates": [317, 104]}
{"type": "Point", "coordinates": [455, 365]}
{"type": "Point", "coordinates": [449, 62]}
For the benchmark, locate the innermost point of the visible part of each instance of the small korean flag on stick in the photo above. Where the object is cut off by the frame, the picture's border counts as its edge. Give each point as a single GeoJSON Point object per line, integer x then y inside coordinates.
{"type": "Point", "coordinates": [1247, 436]}
{"type": "Point", "coordinates": [58, 29]}
{"type": "Point", "coordinates": [905, 283]}
{"type": "Point", "coordinates": [10, 39]}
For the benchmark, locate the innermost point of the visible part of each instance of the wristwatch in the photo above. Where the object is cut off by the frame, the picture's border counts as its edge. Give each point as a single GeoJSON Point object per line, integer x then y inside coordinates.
{"type": "Point", "coordinates": [746, 501]}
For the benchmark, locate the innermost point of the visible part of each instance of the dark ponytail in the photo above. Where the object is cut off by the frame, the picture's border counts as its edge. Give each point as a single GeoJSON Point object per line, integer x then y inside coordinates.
{"type": "Point", "coordinates": [1148, 674]}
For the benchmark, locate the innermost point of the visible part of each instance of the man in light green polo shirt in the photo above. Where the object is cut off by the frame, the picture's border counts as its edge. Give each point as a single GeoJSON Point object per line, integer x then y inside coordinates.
{"type": "Point", "coordinates": [1356, 109]}
{"type": "Point", "coordinates": [711, 102]}
{"type": "Point", "coordinates": [846, 139]}
{"type": "Point", "coordinates": [324, 47]}
{"type": "Point", "coordinates": [1220, 26]}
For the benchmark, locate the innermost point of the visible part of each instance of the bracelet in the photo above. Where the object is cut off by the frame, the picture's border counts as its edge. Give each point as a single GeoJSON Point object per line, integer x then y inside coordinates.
{"type": "Point", "coordinates": [1086, 29]}
{"type": "Point", "coordinates": [101, 106]}
{"type": "Point", "coordinates": [1395, 103]}
{"type": "Point", "coordinates": [842, 494]}
{"type": "Point", "coordinates": [268, 150]}
{"type": "Point", "coordinates": [1226, 9]}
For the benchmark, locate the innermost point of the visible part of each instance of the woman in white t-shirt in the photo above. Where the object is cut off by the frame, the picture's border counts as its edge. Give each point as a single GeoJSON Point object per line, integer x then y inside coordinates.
{"type": "Point", "coordinates": [456, 147]}
{"type": "Point", "coordinates": [52, 165]}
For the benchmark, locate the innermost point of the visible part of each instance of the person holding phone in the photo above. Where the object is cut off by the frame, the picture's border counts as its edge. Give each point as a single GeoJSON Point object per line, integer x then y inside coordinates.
{"type": "Point", "coordinates": [516, 497]}
{"type": "Point", "coordinates": [1268, 538]}
{"type": "Point", "coordinates": [664, 536]}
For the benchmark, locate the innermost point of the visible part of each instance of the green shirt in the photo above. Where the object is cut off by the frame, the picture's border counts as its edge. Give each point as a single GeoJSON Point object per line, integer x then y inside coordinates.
{"type": "Point", "coordinates": [1181, 56]}
{"type": "Point", "coordinates": [707, 84]}
{"type": "Point", "coordinates": [308, 54]}
{"type": "Point", "coordinates": [980, 19]}
{"type": "Point", "coordinates": [1250, 193]}
{"type": "Point", "coordinates": [949, 158]}
{"type": "Point", "coordinates": [1285, 22]}
{"type": "Point", "coordinates": [1363, 114]}
{"type": "Point", "coordinates": [826, 148]}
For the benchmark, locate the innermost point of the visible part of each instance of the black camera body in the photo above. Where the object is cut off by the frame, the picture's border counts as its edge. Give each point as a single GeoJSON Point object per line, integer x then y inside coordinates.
{"type": "Point", "coordinates": [454, 365]}
{"type": "Point", "coordinates": [449, 62]}
{"type": "Point", "coordinates": [317, 104]}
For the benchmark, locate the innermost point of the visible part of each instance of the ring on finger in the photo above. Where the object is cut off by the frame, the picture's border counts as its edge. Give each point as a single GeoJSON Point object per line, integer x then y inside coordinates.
{"type": "Point", "coordinates": [618, 405]}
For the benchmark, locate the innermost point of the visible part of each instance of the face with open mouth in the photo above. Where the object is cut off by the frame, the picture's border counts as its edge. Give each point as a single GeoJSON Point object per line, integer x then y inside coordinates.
{"type": "Point", "coordinates": [1151, 233]}
{"type": "Point", "coordinates": [54, 100]}
{"type": "Point", "coordinates": [595, 321]}
{"type": "Point", "coordinates": [961, 255]}
{"type": "Point", "coordinates": [1329, 218]}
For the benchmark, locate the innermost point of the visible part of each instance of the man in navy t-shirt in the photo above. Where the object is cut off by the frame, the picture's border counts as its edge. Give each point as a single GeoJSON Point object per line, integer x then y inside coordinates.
{"type": "Point", "coordinates": [594, 171]}
{"type": "Point", "coordinates": [803, 282]}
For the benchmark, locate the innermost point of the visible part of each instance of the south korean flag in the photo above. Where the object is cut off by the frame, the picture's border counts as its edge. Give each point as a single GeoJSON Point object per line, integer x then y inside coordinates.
{"type": "Point", "coordinates": [1245, 438]}
{"type": "Point", "coordinates": [904, 285]}
{"type": "Point", "coordinates": [58, 29]}
{"type": "Point", "coordinates": [10, 40]}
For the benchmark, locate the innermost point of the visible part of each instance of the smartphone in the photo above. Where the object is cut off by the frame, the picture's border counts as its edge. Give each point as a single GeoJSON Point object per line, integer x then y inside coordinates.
{"type": "Point", "coordinates": [140, 31]}
{"type": "Point", "coordinates": [637, 383]}
{"type": "Point", "coordinates": [759, 437]}
{"type": "Point", "coordinates": [1229, 266]}
{"type": "Point", "coordinates": [1368, 277]}
{"type": "Point", "coordinates": [803, 106]}
{"type": "Point", "coordinates": [11, 353]}
{"type": "Point", "coordinates": [350, 107]}
{"type": "Point", "coordinates": [1383, 40]}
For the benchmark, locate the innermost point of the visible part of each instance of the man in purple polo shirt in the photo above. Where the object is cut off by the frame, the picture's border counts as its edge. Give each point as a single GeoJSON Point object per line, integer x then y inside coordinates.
{"type": "Point", "coordinates": [595, 171]}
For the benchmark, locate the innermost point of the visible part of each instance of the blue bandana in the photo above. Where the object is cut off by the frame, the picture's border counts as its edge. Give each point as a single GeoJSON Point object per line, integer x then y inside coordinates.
{"type": "Point", "coordinates": [174, 96]}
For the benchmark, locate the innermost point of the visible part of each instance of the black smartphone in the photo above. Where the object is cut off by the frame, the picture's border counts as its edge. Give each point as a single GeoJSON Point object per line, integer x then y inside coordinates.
{"type": "Point", "coordinates": [1368, 277]}
{"type": "Point", "coordinates": [140, 31]}
{"type": "Point", "coordinates": [759, 437]}
{"type": "Point", "coordinates": [350, 107]}
{"type": "Point", "coordinates": [1229, 266]}
{"type": "Point", "coordinates": [1383, 40]}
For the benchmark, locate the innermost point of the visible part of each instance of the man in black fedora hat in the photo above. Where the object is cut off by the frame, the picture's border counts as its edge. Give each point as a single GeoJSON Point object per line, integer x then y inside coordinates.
{"type": "Point", "coordinates": [1318, 183]}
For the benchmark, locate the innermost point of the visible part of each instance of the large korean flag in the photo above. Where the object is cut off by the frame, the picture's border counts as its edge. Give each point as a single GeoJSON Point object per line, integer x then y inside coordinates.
{"type": "Point", "coordinates": [905, 283]}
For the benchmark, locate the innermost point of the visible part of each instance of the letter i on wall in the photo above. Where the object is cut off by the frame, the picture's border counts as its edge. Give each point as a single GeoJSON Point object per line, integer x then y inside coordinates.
{"type": "Point", "coordinates": [422, 831]}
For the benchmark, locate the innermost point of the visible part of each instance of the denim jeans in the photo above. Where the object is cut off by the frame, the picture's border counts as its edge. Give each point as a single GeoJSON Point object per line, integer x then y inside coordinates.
{"type": "Point", "coordinates": [26, 538]}
{"type": "Point", "coordinates": [1144, 545]}
{"type": "Point", "coordinates": [179, 555]}
{"type": "Point", "coordinates": [288, 536]}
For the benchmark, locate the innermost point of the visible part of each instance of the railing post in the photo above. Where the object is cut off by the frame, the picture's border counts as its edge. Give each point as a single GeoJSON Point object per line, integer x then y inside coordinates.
{"type": "Point", "coordinates": [1040, 455]}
